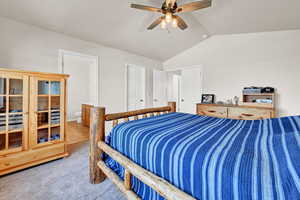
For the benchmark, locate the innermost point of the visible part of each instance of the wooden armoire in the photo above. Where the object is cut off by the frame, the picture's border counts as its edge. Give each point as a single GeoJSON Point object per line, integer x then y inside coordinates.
{"type": "Point", "coordinates": [32, 118]}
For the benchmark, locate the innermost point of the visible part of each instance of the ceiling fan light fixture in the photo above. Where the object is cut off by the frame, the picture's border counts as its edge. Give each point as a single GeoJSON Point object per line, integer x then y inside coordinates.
{"type": "Point", "coordinates": [169, 12]}
{"type": "Point", "coordinates": [169, 17]}
{"type": "Point", "coordinates": [174, 23]}
{"type": "Point", "coordinates": [163, 24]}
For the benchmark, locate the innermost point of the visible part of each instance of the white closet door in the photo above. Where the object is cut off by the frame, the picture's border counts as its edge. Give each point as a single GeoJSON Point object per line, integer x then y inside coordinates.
{"type": "Point", "coordinates": [136, 83]}
{"type": "Point", "coordinates": [176, 90]}
{"type": "Point", "coordinates": [140, 87]}
{"type": "Point", "coordinates": [131, 88]}
{"type": "Point", "coordinates": [191, 90]}
{"type": "Point", "coordinates": [160, 95]}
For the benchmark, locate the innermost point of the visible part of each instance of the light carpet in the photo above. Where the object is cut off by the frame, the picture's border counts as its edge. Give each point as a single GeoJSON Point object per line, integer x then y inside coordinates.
{"type": "Point", "coordinates": [64, 179]}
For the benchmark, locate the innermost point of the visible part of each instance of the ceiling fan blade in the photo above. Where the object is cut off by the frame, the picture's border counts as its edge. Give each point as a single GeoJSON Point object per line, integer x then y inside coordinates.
{"type": "Point", "coordinates": [147, 8]}
{"type": "Point", "coordinates": [155, 23]}
{"type": "Point", "coordinates": [181, 24]}
{"type": "Point", "coordinates": [194, 6]}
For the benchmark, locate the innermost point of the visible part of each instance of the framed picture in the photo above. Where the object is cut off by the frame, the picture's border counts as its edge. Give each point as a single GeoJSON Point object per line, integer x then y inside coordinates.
{"type": "Point", "coordinates": [208, 98]}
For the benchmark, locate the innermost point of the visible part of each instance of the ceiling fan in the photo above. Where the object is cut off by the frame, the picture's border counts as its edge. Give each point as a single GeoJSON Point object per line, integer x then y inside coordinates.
{"type": "Point", "coordinates": [169, 10]}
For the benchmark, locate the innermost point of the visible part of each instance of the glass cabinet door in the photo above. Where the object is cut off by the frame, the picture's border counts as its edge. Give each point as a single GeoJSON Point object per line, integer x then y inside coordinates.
{"type": "Point", "coordinates": [49, 111]}
{"type": "Point", "coordinates": [13, 113]}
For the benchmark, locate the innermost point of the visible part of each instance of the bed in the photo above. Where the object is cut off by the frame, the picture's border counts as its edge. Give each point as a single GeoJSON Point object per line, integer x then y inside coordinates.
{"type": "Point", "coordinates": [183, 156]}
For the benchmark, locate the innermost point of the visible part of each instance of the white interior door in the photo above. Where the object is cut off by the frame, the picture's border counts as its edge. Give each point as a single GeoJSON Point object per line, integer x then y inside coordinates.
{"type": "Point", "coordinates": [160, 93]}
{"type": "Point", "coordinates": [83, 82]}
{"type": "Point", "coordinates": [191, 90]}
{"type": "Point", "coordinates": [136, 84]}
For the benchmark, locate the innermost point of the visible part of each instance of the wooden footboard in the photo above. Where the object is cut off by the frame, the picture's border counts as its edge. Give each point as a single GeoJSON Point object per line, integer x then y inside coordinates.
{"type": "Point", "coordinates": [99, 171]}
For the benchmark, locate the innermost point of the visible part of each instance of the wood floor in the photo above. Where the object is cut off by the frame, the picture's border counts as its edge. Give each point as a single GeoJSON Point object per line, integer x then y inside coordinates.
{"type": "Point", "coordinates": [76, 133]}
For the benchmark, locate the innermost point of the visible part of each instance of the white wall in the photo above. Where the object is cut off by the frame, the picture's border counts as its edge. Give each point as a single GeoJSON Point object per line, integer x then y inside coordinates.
{"type": "Point", "coordinates": [232, 62]}
{"type": "Point", "coordinates": [28, 47]}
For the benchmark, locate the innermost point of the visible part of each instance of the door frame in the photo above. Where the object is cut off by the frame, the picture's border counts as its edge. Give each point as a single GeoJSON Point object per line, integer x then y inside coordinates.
{"type": "Point", "coordinates": [177, 68]}
{"type": "Point", "coordinates": [61, 70]}
{"type": "Point", "coordinates": [178, 91]}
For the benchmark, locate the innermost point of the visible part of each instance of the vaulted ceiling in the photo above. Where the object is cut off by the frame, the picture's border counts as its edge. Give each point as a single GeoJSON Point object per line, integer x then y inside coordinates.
{"type": "Point", "coordinates": [113, 23]}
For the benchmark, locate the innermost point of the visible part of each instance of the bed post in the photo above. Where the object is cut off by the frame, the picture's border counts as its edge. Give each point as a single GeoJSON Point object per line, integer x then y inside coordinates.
{"type": "Point", "coordinates": [173, 106]}
{"type": "Point", "coordinates": [97, 133]}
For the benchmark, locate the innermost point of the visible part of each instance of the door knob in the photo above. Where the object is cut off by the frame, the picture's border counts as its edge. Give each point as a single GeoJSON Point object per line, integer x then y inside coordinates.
{"type": "Point", "coordinates": [155, 100]}
{"type": "Point", "coordinates": [182, 100]}
{"type": "Point", "coordinates": [141, 100]}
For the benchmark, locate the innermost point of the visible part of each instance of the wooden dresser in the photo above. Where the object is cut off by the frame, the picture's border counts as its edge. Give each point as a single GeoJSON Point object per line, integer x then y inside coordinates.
{"type": "Point", "coordinates": [235, 112]}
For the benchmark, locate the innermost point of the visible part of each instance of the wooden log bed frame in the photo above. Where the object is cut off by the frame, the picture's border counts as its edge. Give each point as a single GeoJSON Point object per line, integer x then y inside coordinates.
{"type": "Point", "coordinates": [98, 169]}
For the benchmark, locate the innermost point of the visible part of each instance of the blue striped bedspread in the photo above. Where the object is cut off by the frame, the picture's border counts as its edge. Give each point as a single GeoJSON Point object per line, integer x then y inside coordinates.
{"type": "Point", "coordinates": [212, 158]}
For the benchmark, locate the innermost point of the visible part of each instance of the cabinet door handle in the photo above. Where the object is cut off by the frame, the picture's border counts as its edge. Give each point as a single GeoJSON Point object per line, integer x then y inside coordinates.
{"type": "Point", "coordinates": [212, 111]}
{"type": "Point", "coordinates": [247, 115]}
